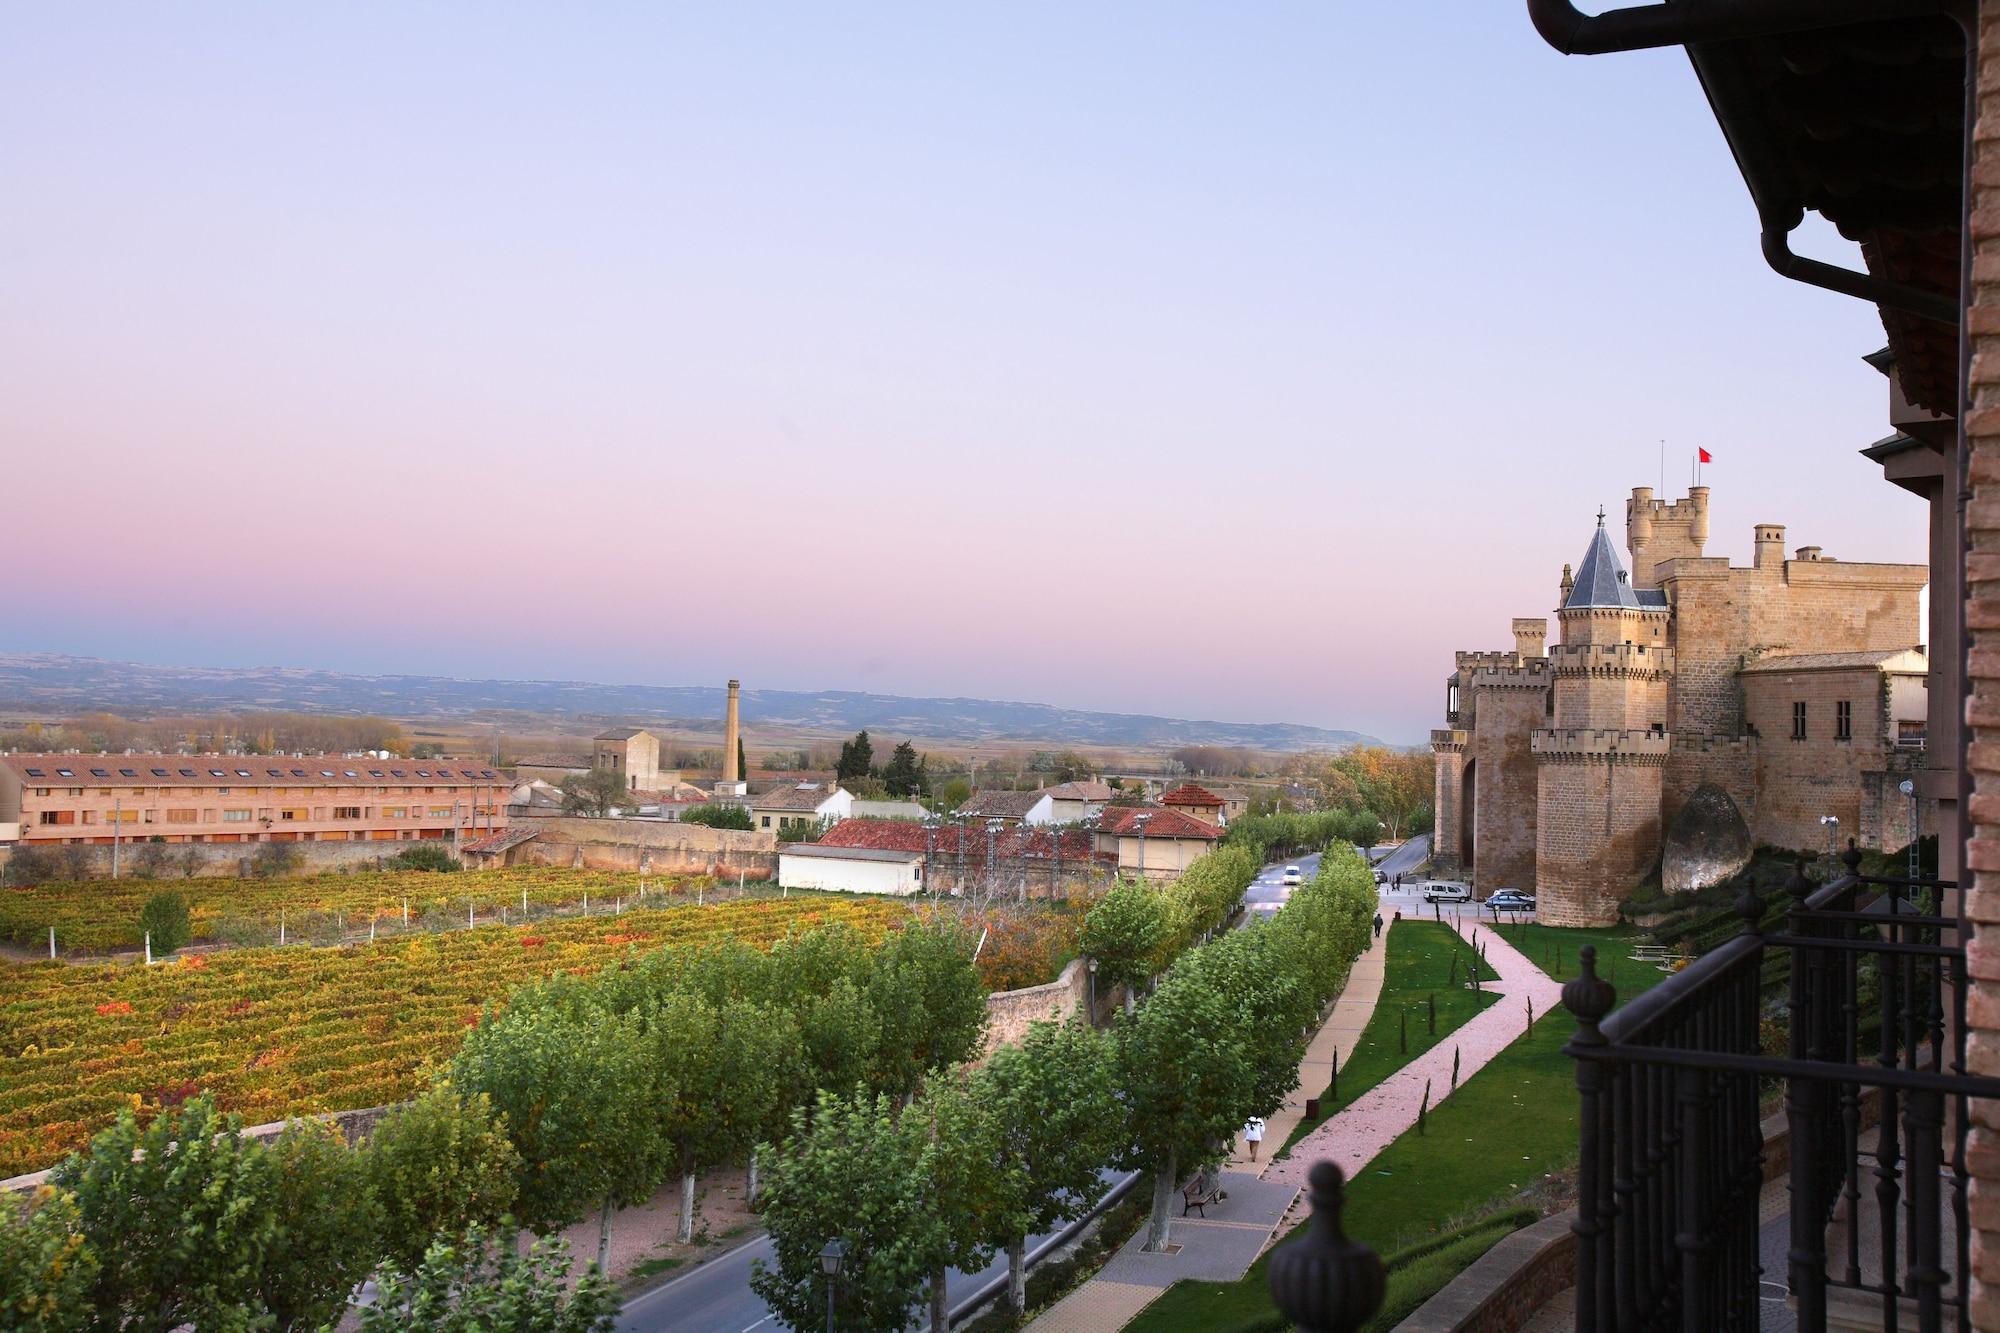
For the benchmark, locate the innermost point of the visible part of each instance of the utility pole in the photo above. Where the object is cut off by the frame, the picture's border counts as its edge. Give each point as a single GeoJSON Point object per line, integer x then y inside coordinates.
{"type": "Point", "coordinates": [117, 827]}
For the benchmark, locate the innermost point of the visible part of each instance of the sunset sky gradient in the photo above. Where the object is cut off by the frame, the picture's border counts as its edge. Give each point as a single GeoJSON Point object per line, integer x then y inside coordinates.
{"type": "Point", "coordinates": [1219, 361]}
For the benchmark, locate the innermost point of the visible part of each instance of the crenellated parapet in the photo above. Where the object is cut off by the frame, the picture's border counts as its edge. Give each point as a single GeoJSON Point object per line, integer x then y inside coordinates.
{"type": "Point", "coordinates": [1595, 745]}
{"type": "Point", "coordinates": [1470, 662]}
{"type": "Point", "coordinates": [1635, 661]}
{"type": "Point", "coordinates": [1533, 675]}
{"type": "Point", "coordinates": [1449, 740]}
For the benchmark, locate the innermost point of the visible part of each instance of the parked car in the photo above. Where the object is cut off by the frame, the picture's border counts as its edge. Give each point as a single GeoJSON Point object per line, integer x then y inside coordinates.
{"type": "Point", "coordinates": [1381, 878]}
{"type": "Point", "coordinates": [1447, 891]}
{"type": "Point", "coordinates": [1511, 900]}
{"type": "Point", "coordinates": [1292, 876]}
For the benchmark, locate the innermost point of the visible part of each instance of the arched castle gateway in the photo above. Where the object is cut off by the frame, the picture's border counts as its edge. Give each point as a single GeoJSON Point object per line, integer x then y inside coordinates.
{"type": "Point", "coordinates": [1794, 686]}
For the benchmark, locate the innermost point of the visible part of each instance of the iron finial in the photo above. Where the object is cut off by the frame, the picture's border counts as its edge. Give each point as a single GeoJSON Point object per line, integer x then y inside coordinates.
{"type": "Point", "coordinates": [1588, 996]}
{"type": "Point", "coordinates": [1324, 1282]}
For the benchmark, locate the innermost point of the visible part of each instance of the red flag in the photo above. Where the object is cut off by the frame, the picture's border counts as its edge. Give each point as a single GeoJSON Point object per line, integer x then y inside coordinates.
{"type": "Point", "coordinates": [1704, 456]}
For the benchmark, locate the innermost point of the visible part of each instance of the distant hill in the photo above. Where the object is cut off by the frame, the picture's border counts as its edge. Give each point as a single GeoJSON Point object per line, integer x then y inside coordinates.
{"type": "Point", "coordinates": [48, 682]}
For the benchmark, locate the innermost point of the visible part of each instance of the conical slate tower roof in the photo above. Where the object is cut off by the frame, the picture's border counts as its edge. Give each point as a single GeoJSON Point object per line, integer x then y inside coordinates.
{"type": "Point", "coordinates": [1600, 576]}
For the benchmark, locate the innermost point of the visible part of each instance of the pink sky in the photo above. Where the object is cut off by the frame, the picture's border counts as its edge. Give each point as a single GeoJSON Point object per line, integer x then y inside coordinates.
{"type": "Point", "coordinates": [1166, 360]}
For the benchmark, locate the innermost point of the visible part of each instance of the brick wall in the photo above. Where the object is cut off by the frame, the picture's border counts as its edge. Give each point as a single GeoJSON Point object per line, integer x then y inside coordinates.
{"type": "Point", "coordinates": [1982, 590]}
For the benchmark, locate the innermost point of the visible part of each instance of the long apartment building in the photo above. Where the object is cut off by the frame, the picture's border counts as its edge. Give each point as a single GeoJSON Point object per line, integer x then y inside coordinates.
{"type": "Point", "coordinates": [92, 798]}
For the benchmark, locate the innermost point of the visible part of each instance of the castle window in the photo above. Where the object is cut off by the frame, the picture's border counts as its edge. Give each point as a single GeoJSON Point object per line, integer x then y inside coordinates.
{"type": "Point", "coordinates": [1799, 720]}
{"type": "Point", "coordinates": [1843, 721]}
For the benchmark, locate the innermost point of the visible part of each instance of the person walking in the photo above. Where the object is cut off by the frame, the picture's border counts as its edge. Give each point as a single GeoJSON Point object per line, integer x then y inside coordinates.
{"type": "Point", "coordinates": [1378, 925]}
{"type": "Point", "coordinates": [1253, 1134]}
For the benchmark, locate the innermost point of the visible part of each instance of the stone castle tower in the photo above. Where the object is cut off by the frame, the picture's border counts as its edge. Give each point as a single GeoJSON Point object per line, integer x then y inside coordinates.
{"type": "Point", "coordinates": [1561, 765]}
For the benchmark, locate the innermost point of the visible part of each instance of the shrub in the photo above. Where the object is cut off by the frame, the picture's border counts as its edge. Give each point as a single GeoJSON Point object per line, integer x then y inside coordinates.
{"type": "Point", "coordinates": [423, 856]}
{"type": "Point", "coordinates": [46, 1267]}
{"type": "Point", "coordinates": [30, 865]}
{"type": "Point", "coordinates": [166, 920]}
{"type": "Point", "coordinates": [275, 858]}
{"type": "Point", "coordinates": [437, 1166]}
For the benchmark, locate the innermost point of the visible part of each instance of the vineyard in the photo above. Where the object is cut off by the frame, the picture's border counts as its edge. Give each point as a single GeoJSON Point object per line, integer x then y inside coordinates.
{"type": "Point", "coordinates": [279, 1032]}
{"type": "Point", "coordinates": [97, 915]}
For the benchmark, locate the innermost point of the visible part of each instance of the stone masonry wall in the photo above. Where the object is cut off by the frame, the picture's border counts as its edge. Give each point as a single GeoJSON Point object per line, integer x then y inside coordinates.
{"type": "Point", "coordinates": [1504, 785]}
{"type": "Point", "coordinates": [1982, 589]}
{"type": "Point", "coordinates": [234, 858]}
{"type": "Point", "coordinates": [652, 846]}
{"type": "Point", "coordinates": [1801, 780]}
{"type": "Point", "coordinates": [1730, 762]}
{"type": "Point", "coordinates": [1447, 827]}
{"type": "Point", "coordinates": [1599, 835]}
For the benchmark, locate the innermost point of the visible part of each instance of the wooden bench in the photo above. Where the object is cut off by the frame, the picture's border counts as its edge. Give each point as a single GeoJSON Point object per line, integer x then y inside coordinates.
{"type": "Point", "coordinates": [1203, 1190]}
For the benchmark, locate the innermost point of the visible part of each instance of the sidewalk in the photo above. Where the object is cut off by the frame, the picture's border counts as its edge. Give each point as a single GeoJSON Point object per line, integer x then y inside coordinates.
{"type": "Point", "coordinates": [1221, 1246]}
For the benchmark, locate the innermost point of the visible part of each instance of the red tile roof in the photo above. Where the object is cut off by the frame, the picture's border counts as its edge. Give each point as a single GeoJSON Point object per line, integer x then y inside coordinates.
{"type": "Point", "coordinates": [1123, 819]}
{"type": "Point", "coordinates": [1189, 794]}
{"type": "Point", "coordinates": [904, 836]}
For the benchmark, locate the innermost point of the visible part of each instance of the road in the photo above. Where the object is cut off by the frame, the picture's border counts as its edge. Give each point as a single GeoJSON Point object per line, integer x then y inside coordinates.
{"type": "Point", "coordinates": [716, 1298]}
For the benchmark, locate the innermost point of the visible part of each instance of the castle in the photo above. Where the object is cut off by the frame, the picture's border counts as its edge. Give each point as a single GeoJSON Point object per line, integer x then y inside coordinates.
{"type": "Point", "coordinates": [1795, 687]}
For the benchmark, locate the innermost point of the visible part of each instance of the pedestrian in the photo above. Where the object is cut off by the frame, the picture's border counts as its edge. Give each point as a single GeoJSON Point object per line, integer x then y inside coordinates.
{"type": "Point", "coordinates": [1378, 925]}
{"type": "Point", "coordinates": [1253, 1134]}
{"type": "Point", "coordinates": [1399, 881]}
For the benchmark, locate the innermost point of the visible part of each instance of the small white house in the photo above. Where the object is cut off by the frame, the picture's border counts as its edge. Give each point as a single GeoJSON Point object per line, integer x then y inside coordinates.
{"type": "Point", "coordinates": [808, 865]}
{"type": "Point", "coordinates": [800, 807]}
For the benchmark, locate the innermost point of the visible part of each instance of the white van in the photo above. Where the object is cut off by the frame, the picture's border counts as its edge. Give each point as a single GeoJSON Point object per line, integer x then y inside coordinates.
{"type": "Point", "coordinates": [1447, 891]}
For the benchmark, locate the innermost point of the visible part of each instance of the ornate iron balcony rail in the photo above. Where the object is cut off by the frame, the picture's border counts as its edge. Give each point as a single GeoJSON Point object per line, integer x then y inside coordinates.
{"type": "Point", "coordinates": [1671, 1161]}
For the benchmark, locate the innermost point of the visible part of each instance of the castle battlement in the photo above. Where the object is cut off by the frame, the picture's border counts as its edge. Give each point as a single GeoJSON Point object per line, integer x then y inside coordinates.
{"type": "Point", "coordinates": [1487, 661]}
{"type": "Point", "coordinates": [1599, 745]}
{"type": "Point", "coordinates": [1533, 675]}
{"type": "Point", "coordinates": [1608, 659]}
{"type": "Point", "coordinates": [1448, 740]}
{"type": "Point", "coordinates": [1705, 743]}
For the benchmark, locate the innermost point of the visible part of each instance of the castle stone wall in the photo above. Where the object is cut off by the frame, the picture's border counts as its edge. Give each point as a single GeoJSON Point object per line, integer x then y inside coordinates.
{"type": "Point", "coordinates": [1598, 833]}
{"type": "Point", "coordinates": [1448, 822]}
{"type": "Point", "coordinates": [1504, 784]}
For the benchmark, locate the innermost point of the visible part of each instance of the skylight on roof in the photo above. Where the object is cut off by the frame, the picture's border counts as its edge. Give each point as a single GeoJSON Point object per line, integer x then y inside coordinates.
{"type": "Point", "coordinates": [36, 773]}
{"type": "Point", "coordinates": [128, 772]}
{"type": "Point", "coordinates": [100, 772]}
{"type": "Point", "coordinates": [423, 772]}
{"type": "Point", "coordinates": [376, 773]}
{"type": "Point", "coordinates": [218, 773]}
{"type": "Point", "coordinates": [397, 773]}
{"type": "Point", "coordinates": [274, 772]}
{"type": "Point", "coordinates": [348, 772]}
{"type": "Point", "coordinates": [242, 772]}
{"type": "Point", "coordinates": [327, 773]}
{"type": "Point", "coordinates": [188, 773]}
{"type": "Point", "coordinates": [298, 772]}
{"type": "Point", "coordinates": [65, 772]}
{"type": "Point", "coordinates": [161, 773]}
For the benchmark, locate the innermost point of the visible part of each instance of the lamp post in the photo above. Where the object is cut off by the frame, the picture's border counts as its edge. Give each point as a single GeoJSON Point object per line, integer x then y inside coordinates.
{"type": "Point", "coordinates": [1139, 822]}
{"type": "Point", "coordinates": [1909, 789]}
{"type": "Point", "coordinates": [930, 851]}
{"type": "Point", "coordinates": [830, 1256]}
{"type": "Point", "coordinates": [1831, 823]}
{"type": "Point", "coordinates": [1093, 992]}
{"type": "Point", "coordinates": [992, 836]}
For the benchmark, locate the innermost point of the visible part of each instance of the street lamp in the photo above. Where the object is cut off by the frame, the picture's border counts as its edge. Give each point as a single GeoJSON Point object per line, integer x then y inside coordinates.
{"type": "Point", "coordinates": [1909, 789]}
{"type": "Point", "coordinates": [830, 1256]}
{"type": "Point", "coordinates": [1139, 822]}
{"type": "Point", "coordinates": [1093, 992]}
{"type": "Point", "coordinates": [1831, 823]}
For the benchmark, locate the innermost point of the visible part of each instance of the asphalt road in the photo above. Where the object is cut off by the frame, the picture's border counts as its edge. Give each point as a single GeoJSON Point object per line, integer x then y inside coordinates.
{"type": "Point", "coordinates": [716, 1298]}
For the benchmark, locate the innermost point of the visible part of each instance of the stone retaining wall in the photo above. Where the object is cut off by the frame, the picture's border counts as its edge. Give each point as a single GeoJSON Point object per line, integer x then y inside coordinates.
{"type": "Point", "coordinates": [649, 846]}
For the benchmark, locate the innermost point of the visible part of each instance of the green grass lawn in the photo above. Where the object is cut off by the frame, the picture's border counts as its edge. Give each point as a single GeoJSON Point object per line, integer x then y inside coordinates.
{"type": "Point", "coordinates": [1506, 1128]}
{"type": "Point", "coordinates": [1417, 970]}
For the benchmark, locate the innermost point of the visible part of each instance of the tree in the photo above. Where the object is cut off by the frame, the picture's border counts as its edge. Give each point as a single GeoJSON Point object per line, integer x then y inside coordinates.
{"type": "Point", "coordinates": [572, 1081]}
{"type": "Point", "coordinates": [849, 1171]}
{"type": "Point", "coordinates": [1126, 932]}
{"type": "Point", "coordinates": [274, 859]}
{"type": "Point", "coordinates": [178, 1216]}
{"type": "Point", "coordinates": [596, 793]}
{"type": "Point", "coordinates": [929, 1001]}
{"type": "Point", "coordinates": [30, 865]}
{"type": "Point", "coordinates": [903, 776]}
{"type": "Point", "coordinates": [1053, 1101]}
{"type": "Point", "coordinates": [718, 816]}
{"type": "Point", "coordinates": [47, 1268]}
{"type": "Point", "coordinates": [436, 1166]}
{"type": "Point", "coordinates": [857, 758]}
{"type": "Point", "coordinates": [728, 1067]}
{"type": "Point", "coordinates": [966, 1200]}
{"type": "Point", "coordinates": [742, 760]}
{"type": "Point", "coordinates": [475, 1282]}
{"type": "Point", "coordinates": [327, 1225]}
{"type": "Point", "coordinates": [1184, 1079]}
{"type": "Point", "coordinates": [166, 921]}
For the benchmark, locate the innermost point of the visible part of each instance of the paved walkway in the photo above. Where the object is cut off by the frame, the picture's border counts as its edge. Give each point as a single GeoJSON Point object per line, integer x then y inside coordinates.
{"type": "Point", "coordinates": [1353, 1135]}
{"type": "Point", "coordinates": [1221, 1246]}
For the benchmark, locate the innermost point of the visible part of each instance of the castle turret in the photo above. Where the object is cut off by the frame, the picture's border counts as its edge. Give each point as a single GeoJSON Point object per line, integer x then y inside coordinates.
{"type": "Point", "coordinates": [1531, 638]}
{"type": "Point", "coordinates": [1656, 531]}
{"type": "Point", "coordinates": [1770, 546]}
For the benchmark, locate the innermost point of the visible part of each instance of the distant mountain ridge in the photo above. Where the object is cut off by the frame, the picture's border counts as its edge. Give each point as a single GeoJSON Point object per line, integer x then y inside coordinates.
{"type": "Point", "coordinates": [60, 683]}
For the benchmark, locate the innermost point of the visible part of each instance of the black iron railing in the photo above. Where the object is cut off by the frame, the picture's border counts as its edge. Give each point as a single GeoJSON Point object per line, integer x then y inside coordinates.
{"type": "Point", "coordinates": [1671, 1162]}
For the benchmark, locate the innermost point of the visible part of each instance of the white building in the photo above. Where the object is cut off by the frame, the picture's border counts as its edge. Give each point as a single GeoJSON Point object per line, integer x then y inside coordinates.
{"type": "Point", "coordinates": [809, 865]}
{"type": "Point", "coordinates": [799, 807]}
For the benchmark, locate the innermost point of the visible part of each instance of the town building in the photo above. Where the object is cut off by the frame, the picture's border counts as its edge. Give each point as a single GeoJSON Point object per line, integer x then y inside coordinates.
{"type": "Point", "coordinates": [1154, 842]}
{"type": "Point", "coordinates": [964, 856]}
{"type": "Point", "coordinates": [1194, 800]}
{"type": "Point", "coordinates": [791, 811]}
{"type": "Point", "coordinates": [1010, 807]}
{"type": "Point", "coordinates": [212, 798]}
{"type": "Point", "coordinates": [1072, 802]}
{"type": "Point", "coordinates": [812, 865]}
{"type": "Point", "coordinates": [1792, 684]}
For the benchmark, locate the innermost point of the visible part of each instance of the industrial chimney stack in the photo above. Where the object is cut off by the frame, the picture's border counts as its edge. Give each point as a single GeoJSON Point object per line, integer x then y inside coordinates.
{"type": "Point", "coordinates": [733, 783]}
